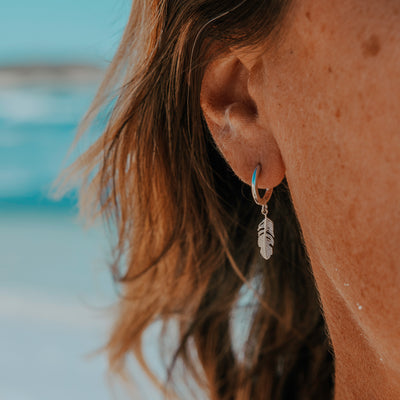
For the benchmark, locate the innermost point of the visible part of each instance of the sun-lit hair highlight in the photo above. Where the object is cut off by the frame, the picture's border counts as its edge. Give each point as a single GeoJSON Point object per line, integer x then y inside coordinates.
{"type": "Point", "coordinates": [186, 226]}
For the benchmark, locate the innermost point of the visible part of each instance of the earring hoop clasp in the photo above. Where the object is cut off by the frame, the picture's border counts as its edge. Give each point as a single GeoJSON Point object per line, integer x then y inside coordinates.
{"type": "Point", "coordinates": [261, 201]}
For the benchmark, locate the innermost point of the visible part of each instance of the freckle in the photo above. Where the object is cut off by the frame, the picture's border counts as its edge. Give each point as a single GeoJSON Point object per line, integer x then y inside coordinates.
{"type": "Point", "coordinates": [329, 69]}
{"type": "Point", "coordinates": [371, 47]}
{"type": "Point", "coordinates": [338, 113]}
{"type": "Point", "coordinates": [323, 27]}
{"type": "Point", "coordinates": [308, 15]}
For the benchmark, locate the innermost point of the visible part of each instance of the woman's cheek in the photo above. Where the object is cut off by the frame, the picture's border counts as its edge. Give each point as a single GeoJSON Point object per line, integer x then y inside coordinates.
{"type": "Point", "coordinates": [332, 98]}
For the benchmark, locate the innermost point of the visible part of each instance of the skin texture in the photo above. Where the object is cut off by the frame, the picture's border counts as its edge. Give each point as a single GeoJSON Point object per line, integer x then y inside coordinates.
{"type": "Point", "coordinates": [321, 105]}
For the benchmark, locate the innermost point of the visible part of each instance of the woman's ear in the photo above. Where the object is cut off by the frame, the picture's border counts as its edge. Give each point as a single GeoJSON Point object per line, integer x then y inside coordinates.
{"type": "Point", "coordinates": [232, 118]}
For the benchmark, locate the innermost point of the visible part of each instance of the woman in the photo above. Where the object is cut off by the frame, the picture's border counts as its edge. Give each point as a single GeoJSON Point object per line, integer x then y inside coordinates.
{"type": "Point", "coordinates": [303, 95]}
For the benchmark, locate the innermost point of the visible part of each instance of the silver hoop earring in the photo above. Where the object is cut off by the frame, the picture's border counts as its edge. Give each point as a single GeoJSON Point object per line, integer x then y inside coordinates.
{"type": "Point", "coordinates": [266, 226]}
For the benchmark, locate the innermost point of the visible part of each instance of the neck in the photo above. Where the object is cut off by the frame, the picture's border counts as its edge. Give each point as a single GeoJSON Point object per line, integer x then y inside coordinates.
{"type": "Point", "coordinates": [360, 372]}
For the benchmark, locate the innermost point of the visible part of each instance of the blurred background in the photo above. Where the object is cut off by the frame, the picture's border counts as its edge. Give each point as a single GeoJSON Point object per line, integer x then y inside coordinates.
{"type": "Point", "coordinates": [55, 290]}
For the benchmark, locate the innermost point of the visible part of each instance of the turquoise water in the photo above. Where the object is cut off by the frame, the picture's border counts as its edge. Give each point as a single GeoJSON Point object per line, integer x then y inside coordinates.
{"type": "Point", "coordinates": [56, 31]}
{"type": "Point", "coordinates": [56, 293]}
{"type": "Point", "coordinates": [55, 289]}
{"type": "Point", "coordinates": [37, 126]}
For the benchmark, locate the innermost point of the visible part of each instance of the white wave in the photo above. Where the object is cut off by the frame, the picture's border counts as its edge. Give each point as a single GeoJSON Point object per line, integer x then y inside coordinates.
{"type": "Point", "coordinates": [27, 105]}
{"type": "Point", "coordinates": [23, 106]}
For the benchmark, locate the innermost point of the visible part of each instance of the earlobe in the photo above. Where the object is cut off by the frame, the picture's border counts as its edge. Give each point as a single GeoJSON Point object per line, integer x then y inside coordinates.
{"type": "Point", "coordinates": [232, 117]}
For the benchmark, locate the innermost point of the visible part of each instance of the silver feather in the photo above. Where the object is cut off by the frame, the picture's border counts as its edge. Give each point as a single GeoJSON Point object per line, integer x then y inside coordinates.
{"type": "Point", "coordinates": [266, 237]}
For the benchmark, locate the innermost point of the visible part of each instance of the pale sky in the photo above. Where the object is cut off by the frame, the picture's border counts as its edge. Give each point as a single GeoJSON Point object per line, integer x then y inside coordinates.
{"type": "Point", "coordinates": [60, 30]}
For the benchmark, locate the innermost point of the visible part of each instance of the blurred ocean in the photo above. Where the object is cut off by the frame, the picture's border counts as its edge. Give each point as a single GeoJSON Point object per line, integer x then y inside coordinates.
{"type": "Point", "coordinates": [55, 290]}
{"type": "Point", "coordinates": [59, 31]}
{"type": "Point", "coordinates": [56, 293]}
{"type": "Point", "coordinates": [37, 125]}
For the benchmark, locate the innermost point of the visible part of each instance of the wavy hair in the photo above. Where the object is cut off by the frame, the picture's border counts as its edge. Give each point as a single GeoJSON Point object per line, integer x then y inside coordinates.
{"type": "Point", "coordinates": [186, 226]}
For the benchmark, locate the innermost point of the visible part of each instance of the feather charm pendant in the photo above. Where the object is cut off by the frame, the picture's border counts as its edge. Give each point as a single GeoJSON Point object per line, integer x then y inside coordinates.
{"type": "Point", "coordinates": [266, 236]}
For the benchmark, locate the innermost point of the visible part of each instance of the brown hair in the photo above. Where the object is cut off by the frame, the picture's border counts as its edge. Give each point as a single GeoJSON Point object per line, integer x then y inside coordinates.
{"type": "Point", "coordinates": [187, 226]}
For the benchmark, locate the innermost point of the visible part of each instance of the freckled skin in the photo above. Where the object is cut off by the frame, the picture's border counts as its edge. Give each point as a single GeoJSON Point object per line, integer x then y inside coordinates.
{"type": "Point", "coordinates": [339, 134]}
{"type": "Point", "coordinates": [371, 47]}
{"type": "Point", "coordinates": [327, 96]}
